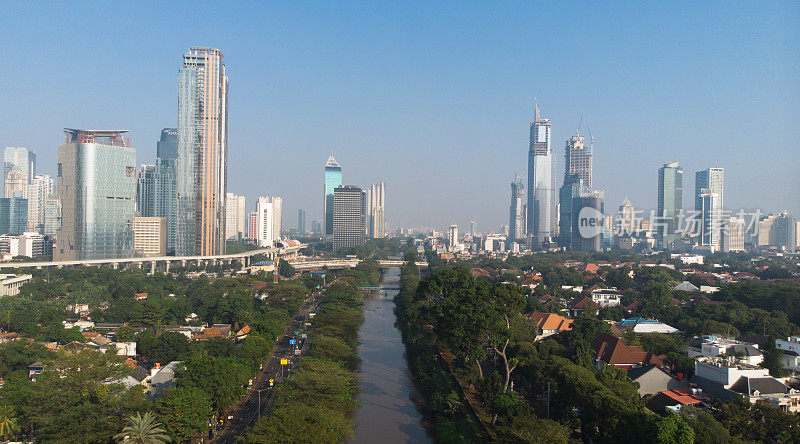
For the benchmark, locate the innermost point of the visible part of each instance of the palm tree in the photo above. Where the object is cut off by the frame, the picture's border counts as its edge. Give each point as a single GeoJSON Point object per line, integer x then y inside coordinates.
{"type": "Point", "coordinates": [143, 429]}
{"type": "Point", "coordinates": [8, 422]}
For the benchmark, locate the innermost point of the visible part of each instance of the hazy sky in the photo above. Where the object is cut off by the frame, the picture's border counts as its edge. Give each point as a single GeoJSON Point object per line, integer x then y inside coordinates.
{"type": "Point", "coordinates": [435, 98]}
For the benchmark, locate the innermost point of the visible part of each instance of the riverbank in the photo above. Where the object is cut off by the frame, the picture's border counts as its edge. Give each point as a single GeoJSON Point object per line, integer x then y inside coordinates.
{"type": "Point", "coordinates": [386, 410]}
{"type": "Point", "coordinates": [441, 402]}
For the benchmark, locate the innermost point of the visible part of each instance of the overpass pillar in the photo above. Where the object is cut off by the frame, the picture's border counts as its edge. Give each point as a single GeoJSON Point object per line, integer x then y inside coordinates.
{"type": "Point", "coordinates": [152, 267]}
{"type": "Point", "coordinates": [166, 266]}
{"type": "Point", "coordinates": [183, 263]}
{"type": "Point", "coordinates": [115, 265]}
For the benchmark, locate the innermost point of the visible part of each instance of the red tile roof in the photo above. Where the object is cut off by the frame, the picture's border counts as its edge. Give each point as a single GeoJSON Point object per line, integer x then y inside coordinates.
{"type": "Point", "coordinates": [612, 350]}
{"type": "Point", "coordinates": [550, 321]}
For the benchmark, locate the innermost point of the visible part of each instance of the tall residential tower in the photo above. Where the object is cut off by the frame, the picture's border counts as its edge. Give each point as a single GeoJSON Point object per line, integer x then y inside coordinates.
{"type": "Point", "coordinates": [670, 202]}
{"type": "Point", "coordinates": [516, 220]}
{"type": "Point", "coordinates": [333, 179]}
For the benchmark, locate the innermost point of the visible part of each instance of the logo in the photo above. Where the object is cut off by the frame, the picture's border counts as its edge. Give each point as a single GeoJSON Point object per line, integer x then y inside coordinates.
{"type": "Point", "coordinates": [590, 222]}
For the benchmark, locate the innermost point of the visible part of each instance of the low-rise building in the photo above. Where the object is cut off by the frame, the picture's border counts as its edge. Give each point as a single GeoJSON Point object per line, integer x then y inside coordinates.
{"type": "Point", "coordinates": [549, 324]}
{"type": "Point", "coordinates": [10, 283]}
{"type": "Point", "coordinates": [642, 325]}
{"type": "Point", "coordinates": [712, 346]}
{"type": "Point", "coordinates": [612, 350]}
{"type": "Point", "coordinates": [653, 379]}
{"type": "Point", "coordinates": [790, 352]}
{"type": "Point", "coordinates": [606, 297]}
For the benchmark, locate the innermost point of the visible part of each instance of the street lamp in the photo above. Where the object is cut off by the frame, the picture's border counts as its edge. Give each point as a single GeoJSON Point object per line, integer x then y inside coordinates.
{"type": "Point", "coordinates": [259, 400]}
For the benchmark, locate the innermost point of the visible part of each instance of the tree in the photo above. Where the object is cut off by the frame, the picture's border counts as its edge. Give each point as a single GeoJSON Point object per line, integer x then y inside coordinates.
{"type": "Point", "coordinates": [9, 425]}
{"type": "Point", "coordinates": [185, 412]}
{"type": "Point", "coordinates": [142, 429]}
{"type": "Point", "coordinates": [285, 269]}
{"type": "Point", "coordinates": [222, 378]}
{"type": "Point", "coordinates": [168, 347]}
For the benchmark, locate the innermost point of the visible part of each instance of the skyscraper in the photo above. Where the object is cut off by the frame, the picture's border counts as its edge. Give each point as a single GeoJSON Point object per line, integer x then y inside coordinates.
{"type": "Point", "coordinates": [22, 160]}
{"type": "Point", "coordinates": [52, 216]}
{"type": "Point", "coordinates": [202, 153]}
{"type": "Point", "coordinates": [166, 195]}
{"type": "Point", "coordinates": [516, 221]}
{"type": "Point", "coordinates": [13, 215]}
{"type": "Point", "coordinates": [301, 221]}
{"type": "Point", "coordinates": [578, 160]}
{"type": "Point", "coordinates": [587, 230]}
{"type": "Point", "coordinates": [572, 188]}
{"type": "Point", "coordinates": [349, 216]}
{"type": "Point", "coordinates": [97, 190]}
{"type": "Point", "coordinates": [627, 218]}
{"type": "Point", "coordinates": [670, 202]}
{"type": "Point", "coordinates": [277, 217]}
{"type": "Point", "coordinates": [376, 210]}
{"type": "Point", "coordinates": [452, 237]}
{"type": "Point", "coordinates": [16, 185]}
{"type": "Point", "coordinates": [542, 215]}
{"type": "Point", "coordinates": [712, 179]}
{"type": "Point", "coordinates": [710, 219]}
{"type": "Point", "coordinates": [146, 191]}
{"type": "Point", "coordinates": [333, 179]}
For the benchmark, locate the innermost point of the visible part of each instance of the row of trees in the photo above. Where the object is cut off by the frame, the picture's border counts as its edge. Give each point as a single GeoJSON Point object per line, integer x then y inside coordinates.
{"type": "Point", "coordinates": [315, 402]}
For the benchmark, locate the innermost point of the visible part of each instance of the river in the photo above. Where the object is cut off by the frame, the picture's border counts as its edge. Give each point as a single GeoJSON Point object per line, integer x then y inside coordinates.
{"type": "Point", "coordinates": [386, 412]}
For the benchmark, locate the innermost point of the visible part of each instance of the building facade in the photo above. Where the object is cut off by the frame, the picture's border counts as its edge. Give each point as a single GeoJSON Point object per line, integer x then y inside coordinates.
{"type": "Point", "coordinates": [146, 191]}
{"type": "Point", "coordinates": [301, 221]}
{"type": "Point", "coordinates": [235, 214]}
{"type": "Point", "coordinates": [333, 179]}
{"type": "Point", "coordinates": [572, 188]}
{"type": "Point", "coordinates": [13, 215]}
{"type": "Point", "coordinates": [201, 170]}
{"type": "Point", "coordinates": [587, 221]}
{"type": "Point", "coordinates": [265, 223]}
{"type": "Point", "coordinates": [670, 202]}
{"type": "Point", "coordinates": [149, 236]}
{"type": "Point", "coordinates": [23, 161]}
{"type": "Point", "coordinates": [40, 189]}
{"type": "Point", "coordinates": [542, 217]}
{"type": "Point", "coordinates": [578, 159]}
{"type": "Point", "coordinates": [96, 185]}
{"type": "Point", "coordinates": [349, 216]}
{"type": "Point", "coordinates": [711, 180]}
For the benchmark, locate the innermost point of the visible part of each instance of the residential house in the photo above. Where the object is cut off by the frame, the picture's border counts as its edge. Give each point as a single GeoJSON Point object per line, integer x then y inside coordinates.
{"type": "Point", "coordinates": [612, 350]}
{"type": "Point", "coordinates": [653, 379]}
{"type": "Point", "coordinates": [642, 325]}
{"type": "Point", "coordinates": [686, 286]}
{"type": "Point", "coordinates": [606, 297]}
{"type": "Point", "coordinates": [790, 352]}
{"type": "Point", "coordinates": [672, 400]}
{"type": "Point", "coordinates": [711, 346]}
{"type": "Point", "coordinates": [549, 324]}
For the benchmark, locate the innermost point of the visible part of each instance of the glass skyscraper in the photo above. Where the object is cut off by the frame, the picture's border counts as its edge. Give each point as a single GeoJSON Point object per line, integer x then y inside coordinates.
{"type": "Point", "coordinates": [516, 219]}
{"type": "Point", "coordinates": [349, 217]}
{"type": "Point", "coordinates": [166, 198]}
{"type": "Point", "coordinates": [542, 215]}
{"type": "Point", "coordinates": [96, 185]}
{"type": "Point", "coordinates": [708, 195]}
{"type": "Point", "coordinates": [13, 215]}
{"type": "Point", "coordinates": [201, 172]}
{"type": "Point", "coordinates": [22, 162]}
{"type": "Point", "coordinates": [333, 179]}
{"type": "Point", "coordinates": [670, 202]}
{"type": "Point", "coordinates": [572, 188]}
{"type": "Point", "coordinates": [146, 191]}
{"type": "Point", "coordinates": [712, 179]}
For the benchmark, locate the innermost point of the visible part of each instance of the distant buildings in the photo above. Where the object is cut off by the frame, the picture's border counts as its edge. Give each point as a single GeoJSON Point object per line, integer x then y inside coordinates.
{"type": "Point", "coordinates": [733, 236]}
{"type": "Point", "coordinates": [13, 215]}
{"type": "Point", "coordinates": [97, 190]}
{"type": "Point", "coordinates": [708, 206]}
{"type": "Point", "coordinates": [146, 191]}
{"type": "Point", "coordinates": [235, 216]}
{"type": "Point", "coordinates": [349, 210]}
{"type": "Point", "coordinates": [301, 221]}
{"type": "Point", "coordinates": [333, 179]}
{"type": "Point", "coordinates": [267, 211]}
{"type": "Point", "coordinates": [516, 220]}
{"type": "Point", "coordinates": [166, 193]}
{"type": "Point", "coordinates": [452, 237]}
{"type": "Point", "coordinates": [376, 211]}
{"type": "Point", "coordinates": [149, 236]}
{"type": "Point", "coordinates": [19, 168]}
{"type": "Point", "coordinates": [578, 159]}
{"type": "Point", "coordinates": [201, 171]}
{"type": "Point", "coordinates": [39, 191]}
{"type": "Point", "coordinates": [542, 217]}
{"type": "Point", "coordinates": [670, 202]}
{"type": "Point", "coordinates": [778, 230]}
{"type": "Point", "coordinates": [587, 221]}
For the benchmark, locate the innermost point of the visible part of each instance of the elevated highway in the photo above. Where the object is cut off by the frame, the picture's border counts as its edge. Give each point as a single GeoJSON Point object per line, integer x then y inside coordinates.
{"type": "Point", "coordinates": [339, 264]}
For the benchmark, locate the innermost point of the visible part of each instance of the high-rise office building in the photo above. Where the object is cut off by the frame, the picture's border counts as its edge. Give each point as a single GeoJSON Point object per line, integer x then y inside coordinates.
{"type": "Point", "coordinates": [587, 230]}
{"type": "Point", "coordinates": [235, 216]}
{"type": "Point", "coordinates": [710, 219]}
{"type": "Point", "coordinates": [166, 194]}
{"type": "Point", "coordinates": [516, 221]}
{"type": "Point", "coordinates": [349, 216]}
{"type": "Point", "coordinates": [149, 236]}
{"type": "Point", "coordinates": [542, 217]}
{"type": "Point", "coordinates": [22, 160]}
{"type": "Point", "coordinates": [146, 191]}
{"type": "Point", "coordinates": [13, 215]}
{"type": "Point", "coordinates": [52, 216]}
{"type": "Point", "coordinates": [670, 202]}
{"type": "Point", "coordinates": [778, 231]}
{"type": "Point", "coordinates": [40, 189]}
{"type": "Point", "coordinates": [97, 189]}
{"type": "Point", "coordinates": [733, 235]}
{"type": "Point", "coordinates": [16, 185]}
{"type": "Point", "coordinates": [333, 179]}
{"type": "Point", "coordinates": [265, 222]}
{"type": "Point", "coordinates": [578, 159]}
{"type": "Point", "coordinates": [301, 221]}
{"type": "Point", "coordinates": [473, 228]}
{"type": "Point", "coordinates": [572, 188]}
{"type": "Point", "coordinates": [201, 172]}
{"type": "Point", "coordinates": [376, 211]}
{"type": "Point", "coordinates": [713, 180]}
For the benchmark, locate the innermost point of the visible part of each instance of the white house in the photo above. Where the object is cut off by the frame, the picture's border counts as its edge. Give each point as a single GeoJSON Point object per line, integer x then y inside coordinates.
{"type": "Point", "coordinates": [606, 297]}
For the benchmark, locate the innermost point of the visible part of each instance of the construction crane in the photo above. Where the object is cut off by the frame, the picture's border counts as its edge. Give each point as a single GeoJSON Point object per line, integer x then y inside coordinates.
{"type": "Point", "coordinates": [591, 140]}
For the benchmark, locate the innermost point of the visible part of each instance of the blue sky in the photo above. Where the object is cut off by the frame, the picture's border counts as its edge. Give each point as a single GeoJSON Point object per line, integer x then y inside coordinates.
{"type": "Point", "coordinates": [435, 98]}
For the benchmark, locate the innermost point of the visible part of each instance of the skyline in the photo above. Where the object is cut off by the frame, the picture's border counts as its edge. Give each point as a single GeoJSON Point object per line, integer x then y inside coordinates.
{"type": "Point", "coordinates": [446, 124]}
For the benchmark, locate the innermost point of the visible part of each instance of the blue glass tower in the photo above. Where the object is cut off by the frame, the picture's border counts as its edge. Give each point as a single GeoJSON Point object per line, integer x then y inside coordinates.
{"type": "Point", "coordinates": [333, 179]}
